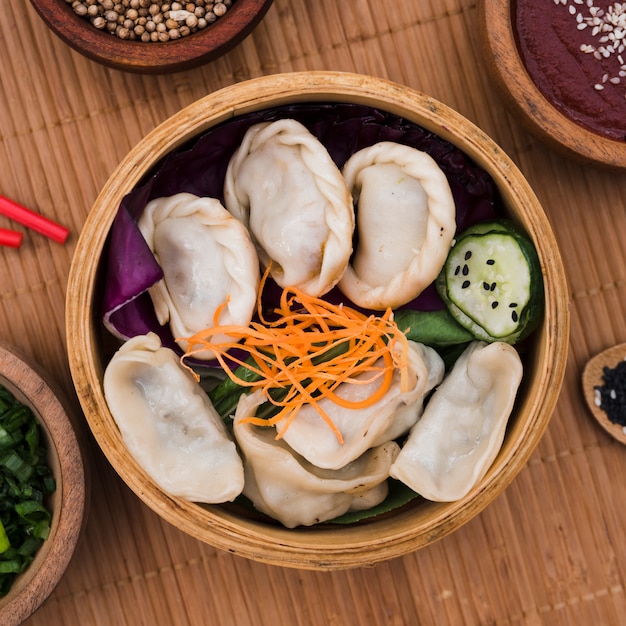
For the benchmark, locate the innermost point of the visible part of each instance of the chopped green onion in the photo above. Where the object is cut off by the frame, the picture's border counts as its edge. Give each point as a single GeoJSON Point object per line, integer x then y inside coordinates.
{"type": "Point", "coordinates": [25, 481]}
{"type": "Point", "coordinates": [5, 544]}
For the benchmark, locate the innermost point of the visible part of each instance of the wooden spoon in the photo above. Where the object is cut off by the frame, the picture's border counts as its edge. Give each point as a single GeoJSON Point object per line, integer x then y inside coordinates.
{"type": "Point", "coordinates": [593, 377]}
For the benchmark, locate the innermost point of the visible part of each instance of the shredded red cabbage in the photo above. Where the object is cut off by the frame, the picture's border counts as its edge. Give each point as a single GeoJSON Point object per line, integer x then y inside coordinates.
{"type": "Point", "coordinates": [200, 167]}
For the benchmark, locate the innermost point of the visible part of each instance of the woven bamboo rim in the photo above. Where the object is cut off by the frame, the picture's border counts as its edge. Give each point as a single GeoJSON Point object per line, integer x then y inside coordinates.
{"type": "Point", "coordinates": [389, 536]}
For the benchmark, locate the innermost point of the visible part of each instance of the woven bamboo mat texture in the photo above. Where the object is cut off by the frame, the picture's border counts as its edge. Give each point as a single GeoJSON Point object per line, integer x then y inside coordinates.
{"type": "Point", "coordinates": [549, 550]}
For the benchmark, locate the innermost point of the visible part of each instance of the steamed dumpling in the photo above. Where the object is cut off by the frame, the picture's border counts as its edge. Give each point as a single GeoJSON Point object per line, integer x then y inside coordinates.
{"type": "Point", "coordinates": [169, 424]}
{"type": "Point", "coordinates": [462, 429]}
{"type": "Point", "coordinates": [405, 221]}
{"type": "Point", "coordinates": [283, 185]}
{"type": "Point", "coordinates": [361, 429]}
{"type": "Point", "coordinates": [207, 258]}
{"type": "Point", "coordinates": [283, 485]}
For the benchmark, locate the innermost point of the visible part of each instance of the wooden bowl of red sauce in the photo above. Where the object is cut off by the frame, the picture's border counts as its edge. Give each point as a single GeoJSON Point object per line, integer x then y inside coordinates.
{"type": "Point", "coordinates": [561, 66]}
{"type": "Point", "coordinates": [180, 52]}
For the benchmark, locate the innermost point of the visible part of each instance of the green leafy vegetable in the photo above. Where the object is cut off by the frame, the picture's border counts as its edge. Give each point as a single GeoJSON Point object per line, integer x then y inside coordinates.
{"type": "Point", "coordinates": [437, 329]}
{"type": "Point", "coordinates": [25, 482]}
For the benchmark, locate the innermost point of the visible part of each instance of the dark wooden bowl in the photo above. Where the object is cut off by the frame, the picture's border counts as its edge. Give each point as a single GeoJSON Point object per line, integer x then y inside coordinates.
{"type": "Point", "coordinates": [153, 58]}
{"type": "Point", "coordinates": [506, 68]}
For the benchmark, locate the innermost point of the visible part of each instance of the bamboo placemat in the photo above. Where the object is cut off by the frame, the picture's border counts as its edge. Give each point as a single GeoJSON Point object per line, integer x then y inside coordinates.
{"type": "Point", "coordinates": [547, 551]}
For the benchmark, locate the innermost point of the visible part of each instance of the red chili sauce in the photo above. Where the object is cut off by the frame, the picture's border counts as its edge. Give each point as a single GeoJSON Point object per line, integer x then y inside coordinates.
{"type": "Point", "coordinates": [575, 52]}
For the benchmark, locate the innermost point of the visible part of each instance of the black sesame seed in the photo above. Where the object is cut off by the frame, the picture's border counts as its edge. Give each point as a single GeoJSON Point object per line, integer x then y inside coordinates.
{"type": "Point", "coordinates": [457, 269]}
{"type": "Point", "coordinates": [468, 255]}
{"type": "Point", "coordinates": [466, 284]}
{"type": "Point", "coordinates": [514, 316]}
{"type": "Point", "coordinates": [490, 262]}
{"type": "Point", "coordinates": [494, 304]}
{"type": "Point", "coordinates": [493, 286]}
{"type": "Point", "coordinates": [486, 286]}
{"type": "Point", "coordinates": [465, 270]}
{"type": "Point", "coordinates": [513, 305]}
{"type": "Point", "coordinates": [613, 393]}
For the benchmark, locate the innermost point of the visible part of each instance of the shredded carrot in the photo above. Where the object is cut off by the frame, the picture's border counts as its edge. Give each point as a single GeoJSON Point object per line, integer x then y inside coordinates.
{"type": "Point", "coordinates": [309, 350]}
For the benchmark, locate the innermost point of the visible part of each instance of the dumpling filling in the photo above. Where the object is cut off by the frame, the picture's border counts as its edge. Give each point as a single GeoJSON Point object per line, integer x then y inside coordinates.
{"type": "Point", "coordinates": [283, 485]}
{"type": "Point", "coordinates": [405, 221]}
{"type": "Point", "coordinates": [283, 185]}
{"type": "Point", "coordinates": [462, 429]}
{"type": "Point", "coordinates": [169, 424]}
{"type": "Point", "coordinates": [208, 261]}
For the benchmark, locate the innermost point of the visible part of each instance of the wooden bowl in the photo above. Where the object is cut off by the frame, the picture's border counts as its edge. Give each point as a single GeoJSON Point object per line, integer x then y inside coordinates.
{"type": "Point", "coordinates": [593, 377]}
{"type": "Point", "coordinates": [390, 535]}
{"type": "Point", "coordinates": [511, 78]}
{"type": "Point", "coordinates": [153, 58]}
{"type": "Point", "coordinates": [67, 504]}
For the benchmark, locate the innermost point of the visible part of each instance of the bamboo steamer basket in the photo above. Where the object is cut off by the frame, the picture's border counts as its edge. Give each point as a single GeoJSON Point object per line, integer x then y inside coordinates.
{"type": "Point", "coordinates": [417, 524]}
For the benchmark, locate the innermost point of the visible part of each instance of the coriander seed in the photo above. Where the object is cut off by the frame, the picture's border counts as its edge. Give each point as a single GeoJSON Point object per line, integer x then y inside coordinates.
{"type": "Point", "coordinates": [140, 19]}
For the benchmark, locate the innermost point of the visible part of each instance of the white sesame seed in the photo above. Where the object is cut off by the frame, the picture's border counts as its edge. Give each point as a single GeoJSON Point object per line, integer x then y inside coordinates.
{"type": "Point", "coordinates": [608, 27]}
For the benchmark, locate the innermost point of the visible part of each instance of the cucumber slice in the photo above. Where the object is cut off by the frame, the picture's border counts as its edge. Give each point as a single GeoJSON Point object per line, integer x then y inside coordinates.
{"type": "Point", "coordinates": [492, 283]}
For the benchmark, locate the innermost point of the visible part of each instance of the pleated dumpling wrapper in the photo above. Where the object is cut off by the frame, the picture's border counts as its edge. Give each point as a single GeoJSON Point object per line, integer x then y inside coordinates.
{"type": "Point", "coordinates": [169, 425]}
{"type": "Point", "coordinates": [405, 222]}
{"type": "Point", "coordinates": [283, 485]}
{"type": "Point", "coordinates": [208, 260]}
{"type": "Point", "coordinates": [284, 186]}
{"type": "Point", "coordinates": [362, 428]}
{"type": "Point", "coordinates": [462, 428]}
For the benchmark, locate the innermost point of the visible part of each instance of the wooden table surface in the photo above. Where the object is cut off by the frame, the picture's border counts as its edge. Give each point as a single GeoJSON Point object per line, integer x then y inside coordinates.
{"type": "Point", "coordinates": [549, 550]}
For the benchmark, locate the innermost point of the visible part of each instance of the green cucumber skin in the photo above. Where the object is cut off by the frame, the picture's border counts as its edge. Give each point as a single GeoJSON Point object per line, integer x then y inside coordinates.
{"type": "Point", "coordinates": [529, 315]}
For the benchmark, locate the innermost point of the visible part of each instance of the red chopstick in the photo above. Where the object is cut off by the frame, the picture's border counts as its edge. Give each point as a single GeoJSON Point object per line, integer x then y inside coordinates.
{"type": "Point", "coordinates": [10, 238]}
{"type": "Point", "coordinates": [33, 220]}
